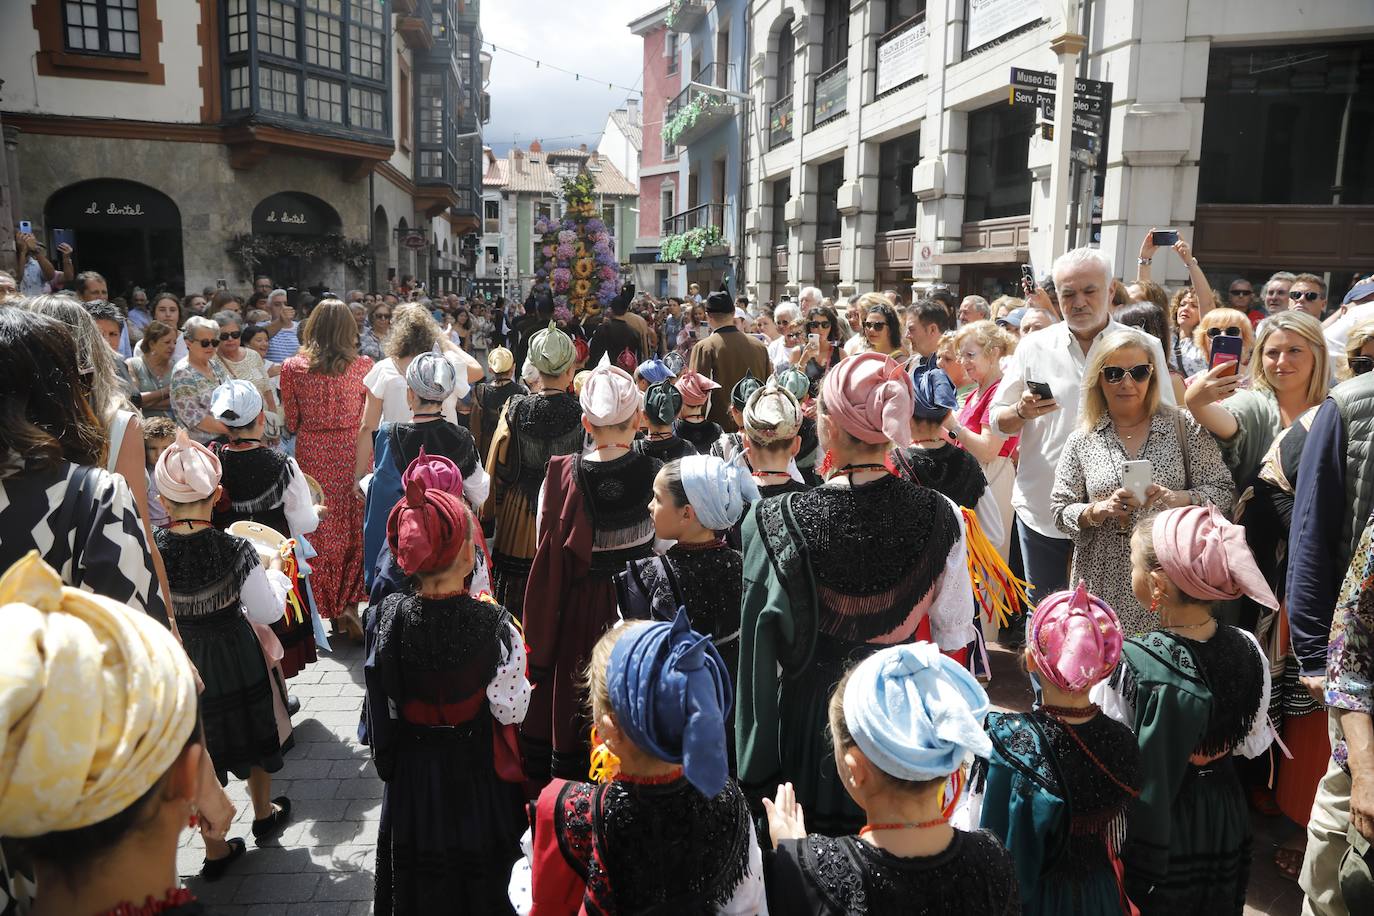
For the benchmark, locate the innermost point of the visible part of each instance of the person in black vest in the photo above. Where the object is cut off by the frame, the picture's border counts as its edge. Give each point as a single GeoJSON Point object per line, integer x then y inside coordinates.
{"type": "Point", "coordinates": [615, 334]}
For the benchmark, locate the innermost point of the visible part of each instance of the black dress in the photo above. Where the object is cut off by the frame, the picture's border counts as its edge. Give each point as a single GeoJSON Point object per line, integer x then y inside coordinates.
{"type": "Point", "coordinates": [844, 876]}
{"type": "Point", "coordinates": [255, 483]}
{"type": "Point", "coordinates": [665, 450]}
{"type": "Point", "coordinates": [450, 827]}
{"type": "Point", "coordinates": [488, 400]}
{"type": "Point", "coordinates": [701, 435]}
{"type": "Point", "coordinates": [206, 571]}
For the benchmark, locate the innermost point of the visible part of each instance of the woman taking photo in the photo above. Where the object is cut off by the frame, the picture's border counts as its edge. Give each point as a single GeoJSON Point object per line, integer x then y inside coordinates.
{"type": "Point", "coordinates": [323, 394]}
{"type": "Point", "coordinates": [1122, 419]}
{"type": "Point", "coordinates": [822, 347]}
{"type": "Point", "coordinates": [982, 347]}
{"type": "Point", "coordinates": [815, 602]}
{"type": "Point", "coordinates": [150, 368]}
{"type": "Point", "coordinates": [1195, 691]}
{"type": "Point", "coordinates": [244, 363]}
{"type": "Point", "coordinates": [195, 379]}
{"type": "Point", "coordinates": [1224, 323]}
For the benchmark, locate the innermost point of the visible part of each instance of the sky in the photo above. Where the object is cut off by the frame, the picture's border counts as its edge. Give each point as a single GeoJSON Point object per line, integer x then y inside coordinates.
{"type": "Point", "coordinates": [591, 38]}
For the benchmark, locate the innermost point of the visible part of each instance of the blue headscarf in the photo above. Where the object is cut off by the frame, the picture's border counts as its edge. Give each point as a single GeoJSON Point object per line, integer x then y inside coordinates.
{"type": "Point", "coordinates": [916, 714]}
{"type": "Point", "coordinates": [671, 693]}
{"type": "Point", "coordinates": [718, 490]}
{"type": "Point", "coordinates": [933, 393]}
{"type": "Point", "coordinates": [654, 371]}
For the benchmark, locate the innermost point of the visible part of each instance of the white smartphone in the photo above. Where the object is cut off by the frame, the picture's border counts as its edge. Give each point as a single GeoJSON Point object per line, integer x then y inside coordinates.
{"type": "Point", "coordinates": [813, 341]}
{"type": "Point", "coordinates": [1136, 477]}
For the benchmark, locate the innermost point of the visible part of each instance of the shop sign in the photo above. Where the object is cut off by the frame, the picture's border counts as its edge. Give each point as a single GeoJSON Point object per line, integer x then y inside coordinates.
{"type": "Point", "coordinates": [989, 20]}
{"type": "Point", "coordinates": [112, 204]}
{"type": "Point", "coordinates": [902, 58]}
{"type": "Point", "coordinates": [414, 241]}
{"type": "Point", "coordinates": [288, 213]}
{"type": "Point", "coordinates": [923, 265]}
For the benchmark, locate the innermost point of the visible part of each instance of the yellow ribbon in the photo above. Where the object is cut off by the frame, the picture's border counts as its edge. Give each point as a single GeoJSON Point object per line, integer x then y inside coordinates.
{"type": "Point", "coordinates": [291, 569]}
{"type": "Point", "coordinates": [605, 765]}
{"type": "Point", "coordinates": [997, 591]}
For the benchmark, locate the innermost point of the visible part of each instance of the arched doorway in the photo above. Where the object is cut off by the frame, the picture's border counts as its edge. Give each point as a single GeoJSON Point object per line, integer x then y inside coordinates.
{"type": "Point", "coordinates": [302, 219]}
{"type": "Point", "coordinates": [381, 248]}
{"type": "Point", "coordinates": [127, 231]}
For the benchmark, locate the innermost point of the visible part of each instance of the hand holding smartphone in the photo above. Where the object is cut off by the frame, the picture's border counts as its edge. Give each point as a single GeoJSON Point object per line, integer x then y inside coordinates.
{"type": "Point", "coordinates": [1041, 390]}
{"type": "Point", "coordinates": [1226, 350]}
{"type": "Point", "coordinates": [1135, 477]}
{"type": "Point", "coordinates": [1163, 238]}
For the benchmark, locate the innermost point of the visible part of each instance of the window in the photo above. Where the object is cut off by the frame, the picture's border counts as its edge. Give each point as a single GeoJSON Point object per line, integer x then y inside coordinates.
{"type": "Point", "coordinates": [403, 101]}
{"type": "Point", "coordinates": [896, 159]}
{"type": "Point", "coordinates": [277, 91]}
{"type": "Point", "coordinates": [491, 209]}
{"type": "Point", "coordinates": [544, 208]}
{"type": "Point", "coordinates": [324, 34]}
{"type": "Point", "coordinates": [787, 60]}
{"type": "Point", "coordinates": [829, 177]}
{"type": "Point", "coordinates": [723, 58]}
{"type": "Point", "coordinates": [323, 100]}
{"type": "Point", "coordinates": [1259, 100]}
{"type": "Point", "coordinates": [277, 28]}
{"type": "Point", "coordinates": [674, 51]}
{"type": "Point", "coordinates": [240, 92]}
{"type": "Point", "coordinates": [101, 27]}
{"type": "Point", "coordinates": [493, 253]}
{"type": "Point", "coordinates": [998, 181]}
{"type": "Point", "coordinates": [236, 20]}
{"type": "Point", "coordinates": [368, 107]}
{"type": "Point", "coordinates": [669, 150]}
{"type": "Point", "coordinates": [782, 193]}
{"type": "Point", "coordinates": [899, 11]}
{"type": "Point", "coordinates": [665, 202]}
{"type": "Point", "coordinates": [367, 42]}
{"type": "Point", "coordinates": [835, 37]}
{"type": "Point", "coordinates": [608, 217]}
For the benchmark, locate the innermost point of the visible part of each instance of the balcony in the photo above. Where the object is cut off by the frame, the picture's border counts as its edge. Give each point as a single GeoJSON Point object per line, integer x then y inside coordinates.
{"type": "Point", "coordinates": [685, 15]}
{"type": "Point", "coordinates": [702, 106]}
{"type": "Point", "coordinates": [466, 15]}
{"type": "Point", "coordinates": [694, 234]}
{"type": "Point", "coordinates": [831, 98]}
{"type": "Point", "coordinates": [780, 116]}
{"type": "Point", "coordinates": [414, 25]}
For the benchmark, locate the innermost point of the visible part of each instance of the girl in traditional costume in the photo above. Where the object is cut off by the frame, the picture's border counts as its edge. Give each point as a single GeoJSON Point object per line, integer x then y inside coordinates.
{"type": "Point", "coordinates": [832, 575]}
{"type": "Point", "coordinates": [1060, 779]}
{"type": "Point", "coordinates": [1195, 692]}
{"type": "Point", "coordinates": [430, 379]}
{"type": "Point", "coordinates": [731, 444]}
{"type": "Point", "coordinates": [489, 398]}
{"type": "Point", "coordinates": [594, 518]}
{"type": "Point", "coordinates": [692, 424]}
{"type": "Point", "coordinates": [263, 485]}
{"type": "Point", "coordinates": [670, 832]}
{"type": "Point", "coordinates": [218, 586]}
{"type": "Point", "coordinates": [446, 687]}
{"type": "Point", "coordinates": [533, 429]}
{"type": "Point", "coordinates": [662, 403]}
{"type": "Point", "coordinates": [903, 722]}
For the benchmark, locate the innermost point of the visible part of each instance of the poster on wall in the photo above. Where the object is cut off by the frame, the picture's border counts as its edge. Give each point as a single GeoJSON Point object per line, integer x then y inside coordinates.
{"type": "Point", "coordinates": [902, 58]}
{"type": "Point", "coordinates": [989, 20]}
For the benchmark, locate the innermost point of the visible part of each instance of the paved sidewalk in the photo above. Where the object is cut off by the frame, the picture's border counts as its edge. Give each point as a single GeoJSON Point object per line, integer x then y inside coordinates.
{"type": "Point", "coordinates": [323, 863]}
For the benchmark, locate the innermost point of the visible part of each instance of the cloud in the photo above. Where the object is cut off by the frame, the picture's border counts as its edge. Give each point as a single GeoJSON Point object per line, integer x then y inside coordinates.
{"type": "Point", "coordinates": [529, 102]}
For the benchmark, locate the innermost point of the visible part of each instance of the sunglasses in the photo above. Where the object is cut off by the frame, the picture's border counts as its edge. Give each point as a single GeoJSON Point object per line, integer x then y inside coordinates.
{"type": "Point", "coordinates": [1115, 375]}
{"type": "Point", "coordinates": [1242, 292]}
{"type": "Point", "coordinates": [207, 343]}
{"type": "Point", "coordinates": [382, 316]}
{"type": "Point", "coordinates": [1231, 331]}
{"type": "Point", "coordinates": [1359, 365]}
{"type": "Point", "coordinates": [874, 325]}
{"type": "Point", "coordinates": [229, 335]}
{"type": "Point", "coordinates": [1311, 295]}
{"type": "Point", "coordinates": [818, 324]}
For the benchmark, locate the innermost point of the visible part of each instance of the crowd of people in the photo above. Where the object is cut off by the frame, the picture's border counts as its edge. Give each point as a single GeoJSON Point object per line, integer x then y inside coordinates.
{"type": "Point", "coordinates": [685, 606]}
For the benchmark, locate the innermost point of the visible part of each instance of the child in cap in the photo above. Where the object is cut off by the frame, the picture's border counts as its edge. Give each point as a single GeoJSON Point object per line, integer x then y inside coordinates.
{"type": "Point", "coordinates": [730, 444]}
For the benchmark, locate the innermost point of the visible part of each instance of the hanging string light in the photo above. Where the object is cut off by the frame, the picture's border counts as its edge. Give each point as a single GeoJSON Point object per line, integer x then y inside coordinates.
{"type": "Point", "coordinates": [540, 64]}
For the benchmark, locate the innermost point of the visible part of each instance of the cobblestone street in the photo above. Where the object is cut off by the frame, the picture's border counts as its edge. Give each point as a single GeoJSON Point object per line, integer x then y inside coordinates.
{"type": "Point", "coordinates": [323, 863]}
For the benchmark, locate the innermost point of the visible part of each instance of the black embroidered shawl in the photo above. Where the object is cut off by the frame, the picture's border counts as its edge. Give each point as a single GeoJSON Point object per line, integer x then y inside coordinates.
{"type": "Point", "coordinates": [205, 570]}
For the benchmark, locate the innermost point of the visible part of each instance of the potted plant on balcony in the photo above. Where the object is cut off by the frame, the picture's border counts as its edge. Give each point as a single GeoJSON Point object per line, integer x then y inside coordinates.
{"type": "Point", "coordinates": [703, 241]}
{"type": "Point", "coordinates": [689, 114]}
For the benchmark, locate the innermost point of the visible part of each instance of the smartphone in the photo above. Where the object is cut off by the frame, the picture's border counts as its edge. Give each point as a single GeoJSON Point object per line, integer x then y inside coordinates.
{"type": "Point", "coordinates": [813, 341]}
{"type": "Point", "coordinates": [63, 237]}
{"type": "Point", "coordinates": [1027, 277]}
{"type": "Point", "coordinates": [25, 226]}
{"type": "Point", "coordinates": [221, 283]}
{"type": "Point", "coordinates": [1136, 477]}
{"type": "Point", "coordinates": [1226, 350]}
{"type": "Point", "coordinates": [1041, 390]}
{"type": "Point", "coordinates": [1162, 237]}
{"type": "Point", "coordinates": [761, 338]}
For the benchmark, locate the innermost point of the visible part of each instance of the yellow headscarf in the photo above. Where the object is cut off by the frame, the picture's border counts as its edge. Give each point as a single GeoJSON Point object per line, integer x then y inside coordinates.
{"type": "Point", "coordinates": [96, 702]}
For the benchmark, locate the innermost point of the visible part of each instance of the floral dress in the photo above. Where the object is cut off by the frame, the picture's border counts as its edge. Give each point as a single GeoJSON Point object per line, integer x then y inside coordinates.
{"type": "Point", "coordinates": [325, 412]}
{"type": "Point", "coordinates": [191, 391]}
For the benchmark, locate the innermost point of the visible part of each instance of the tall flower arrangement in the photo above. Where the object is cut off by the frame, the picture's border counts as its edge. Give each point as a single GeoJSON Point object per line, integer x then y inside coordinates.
{"type": "Point", "coordinates": [578, 263]}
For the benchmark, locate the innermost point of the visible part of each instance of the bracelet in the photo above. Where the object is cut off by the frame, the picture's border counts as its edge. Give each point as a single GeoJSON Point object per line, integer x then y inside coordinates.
{"type": "Point", "coordinates": [1017, 408]}
{"type": "Point", "coordinates": [1143, 260]}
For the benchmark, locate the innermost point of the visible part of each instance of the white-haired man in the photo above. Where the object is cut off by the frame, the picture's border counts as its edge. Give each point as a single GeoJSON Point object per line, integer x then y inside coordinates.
{"type": "Point", "coordinates": [1056, 356]}
{"type": "Point", "coordinates": [973, 308]}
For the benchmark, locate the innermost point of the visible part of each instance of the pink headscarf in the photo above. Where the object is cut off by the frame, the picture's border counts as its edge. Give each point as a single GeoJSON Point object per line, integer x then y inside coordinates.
{"type": "Point", "coordinates": [694, 387]}
{"type": "Point", "coordinates": [435, 472]}
{"type": "Point", "coordinates": [187, 472]}
{"type": "Point", "coordinates": [1207, 557]}
{"type": "Point", "coordinates": [870, 397]}
{"type": "Point", "coordinates": [1074, 639]}
{"type": "Point", "coordinates": [609, 396]}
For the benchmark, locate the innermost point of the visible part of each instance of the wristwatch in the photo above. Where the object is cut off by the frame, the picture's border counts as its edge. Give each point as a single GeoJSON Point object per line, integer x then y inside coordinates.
{"type": "Point", "coordinates": [1143, 260]}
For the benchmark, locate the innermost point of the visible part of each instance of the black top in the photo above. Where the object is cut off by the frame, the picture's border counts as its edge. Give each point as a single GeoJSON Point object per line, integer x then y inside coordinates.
{"type": "Point", "coordinates": [255, 482]}
{"type": "Point", "coordinates": [541, 426]}
{"type": "Point", "coordinates": [439, 652]}
{"type": "Point", "coordinates": [613, 336]}
{"type": "Point", "coordinates": [206, 569]}
{"type": "Point", "coordinates": [436, 437]}
{"type": "Point", "coordinates": [617, 495]}
{"type": "Point", "coordinates": [701, 435]}
{"type": "Point", "coordinates": [491, 398]}
{"type": "Point", "coordinates": [845, 876]}
{"type": "Point", "coordinates": [948, 469]}
{"type": "Point", "coordinates": [665, 450]}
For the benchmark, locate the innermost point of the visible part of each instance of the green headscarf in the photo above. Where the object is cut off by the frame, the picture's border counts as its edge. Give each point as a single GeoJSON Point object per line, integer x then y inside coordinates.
{"type": "Point", "coordinates": [552, 351]}
{"type": "Point", "coordinates": [662, 403]}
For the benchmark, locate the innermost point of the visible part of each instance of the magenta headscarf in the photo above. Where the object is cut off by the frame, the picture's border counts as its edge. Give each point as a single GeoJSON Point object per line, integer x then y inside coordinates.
{"type": "Point", "coordinates": [695, 388]}
{"type": "Point", "coordinates": [1207, 557]}
{"type": "Point", "coordinates": [1074, 639]}
{"type": "Point", "coordinates": [435, 472]}
{"type": "Point", "coordinates": [869, 396]}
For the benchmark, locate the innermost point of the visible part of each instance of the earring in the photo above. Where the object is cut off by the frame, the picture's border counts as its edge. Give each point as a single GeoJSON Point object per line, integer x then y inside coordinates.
{"type": "Point", "coordinates": [194, 820]}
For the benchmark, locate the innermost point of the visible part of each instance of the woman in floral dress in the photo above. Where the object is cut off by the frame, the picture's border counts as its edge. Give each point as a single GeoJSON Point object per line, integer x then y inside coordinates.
{"type": "Point", "coordinates": [323, 394]}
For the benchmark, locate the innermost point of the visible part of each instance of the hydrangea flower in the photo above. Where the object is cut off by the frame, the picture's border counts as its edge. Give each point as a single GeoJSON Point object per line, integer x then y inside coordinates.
{"type": "Point", "coordinates": [565, 250]}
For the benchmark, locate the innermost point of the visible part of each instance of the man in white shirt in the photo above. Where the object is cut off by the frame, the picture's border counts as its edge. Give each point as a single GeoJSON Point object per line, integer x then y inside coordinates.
{"type": "Point", "coordinates": [1056, 356]}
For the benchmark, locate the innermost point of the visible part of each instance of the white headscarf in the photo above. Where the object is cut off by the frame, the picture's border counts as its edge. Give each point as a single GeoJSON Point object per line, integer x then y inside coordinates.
{"type": "Point", "coordinates": [718, 490]}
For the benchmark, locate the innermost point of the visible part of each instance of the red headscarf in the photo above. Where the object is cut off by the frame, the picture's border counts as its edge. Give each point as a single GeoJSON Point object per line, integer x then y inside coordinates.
{"type": "Point", "coordinates": [869, 396]}
{"type": "Point", "coordinates": [426, 529]}
{"type": "Point", "coordinates": [581, 349]}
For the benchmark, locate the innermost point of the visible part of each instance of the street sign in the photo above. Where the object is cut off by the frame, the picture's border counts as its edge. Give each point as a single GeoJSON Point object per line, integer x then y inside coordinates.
{"type": "Point", "coordinates": [1043, 79]}
{"type": "Point", "coordinates": [923, 265]}
{"type": "Point", "coordinates": [414, 241]}
{"type": "Point", "coordinates": [1092, 104]}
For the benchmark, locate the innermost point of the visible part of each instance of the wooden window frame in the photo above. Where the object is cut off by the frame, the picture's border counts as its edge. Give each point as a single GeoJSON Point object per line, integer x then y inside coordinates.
{"type": "Point", "coordinates": [403, 103]}
{"type": "Point", "coordinates": [55, 60]}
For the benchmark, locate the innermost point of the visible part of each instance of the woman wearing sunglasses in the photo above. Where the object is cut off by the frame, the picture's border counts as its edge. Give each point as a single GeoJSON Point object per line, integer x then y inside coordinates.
{"type": "Point", "coordinates": [880, 327]}
{"type": "Point", "coordinates": [815, 359]}
{"type": "Point", "coordinates": [378, 329]}
{"type": "Point", "coordinates": [1223, 323]}
{"type": "Point", "coordinates": [195, 378]}
{"type": "Point", "coordinates": [1359, 351]}
{"type": "Point", "coordinates": [1123, 419]}
{"type": "Point", "coordinates": [244, 363]}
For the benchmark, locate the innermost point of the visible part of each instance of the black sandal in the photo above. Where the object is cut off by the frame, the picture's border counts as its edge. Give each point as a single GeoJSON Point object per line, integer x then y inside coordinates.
{"type": "Point", "coordinates": [213, 869]}
{"type": "Point", "coordinates": [271, 826]}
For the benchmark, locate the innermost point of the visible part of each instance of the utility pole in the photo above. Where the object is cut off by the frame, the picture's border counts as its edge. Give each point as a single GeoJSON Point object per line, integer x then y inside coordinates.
{"type": "Point", "coordinates": [1067, 46]}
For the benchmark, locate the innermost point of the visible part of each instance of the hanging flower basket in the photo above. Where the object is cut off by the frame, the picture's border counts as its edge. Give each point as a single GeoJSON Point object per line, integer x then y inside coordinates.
{"type": "Point", "coordinates": [250, 252]}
